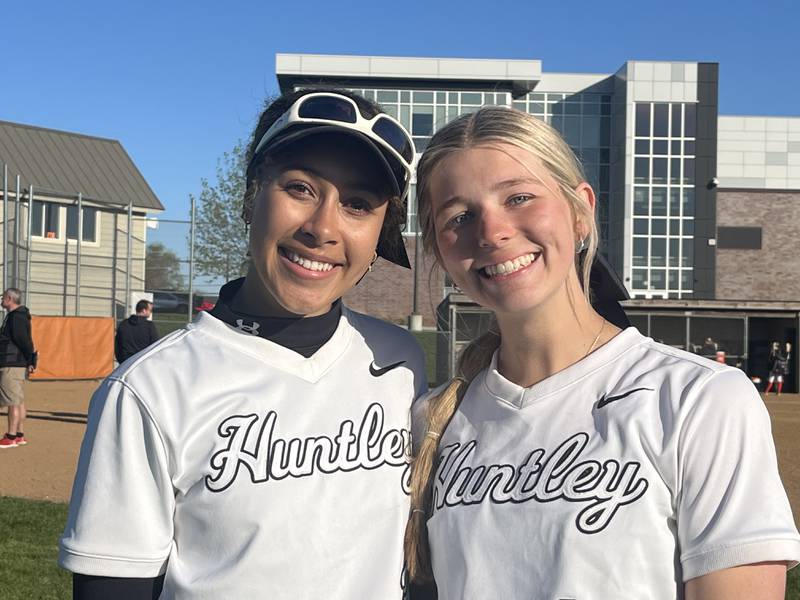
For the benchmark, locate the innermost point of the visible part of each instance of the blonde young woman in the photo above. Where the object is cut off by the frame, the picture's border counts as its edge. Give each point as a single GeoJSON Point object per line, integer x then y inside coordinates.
{"type": "Point", "coordinates": [572, 459]}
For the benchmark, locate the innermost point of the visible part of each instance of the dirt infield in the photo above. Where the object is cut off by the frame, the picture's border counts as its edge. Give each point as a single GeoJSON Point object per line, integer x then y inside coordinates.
{"type": "Point", "coordinates": [57, 418]}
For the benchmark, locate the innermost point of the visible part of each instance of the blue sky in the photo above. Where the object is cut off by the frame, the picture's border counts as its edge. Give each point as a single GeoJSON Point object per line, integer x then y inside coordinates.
{"type": "Point", "coordinates": [178, 83]}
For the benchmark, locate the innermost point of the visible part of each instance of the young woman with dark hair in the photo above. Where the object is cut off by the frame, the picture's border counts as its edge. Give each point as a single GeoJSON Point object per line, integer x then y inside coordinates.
{"type": "Point", "coordinates": [261, 452]}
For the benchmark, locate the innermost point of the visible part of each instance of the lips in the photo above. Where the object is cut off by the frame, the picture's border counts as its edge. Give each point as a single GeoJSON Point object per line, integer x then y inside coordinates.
{"type": "Point", "coordinates": [309, 264]}
{"type": "Point", "coordinates": [509, 266]}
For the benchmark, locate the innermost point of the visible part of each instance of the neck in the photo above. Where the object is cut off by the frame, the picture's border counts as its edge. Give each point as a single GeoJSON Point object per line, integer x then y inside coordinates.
{"type": "Point", "coordinates": [542, 341]}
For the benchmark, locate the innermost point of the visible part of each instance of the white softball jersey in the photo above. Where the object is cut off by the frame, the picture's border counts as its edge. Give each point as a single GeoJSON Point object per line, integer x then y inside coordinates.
{"type": "Point", "coordinates": [241, 469]}
{"type": "Point", "coordinates": [622, 476]}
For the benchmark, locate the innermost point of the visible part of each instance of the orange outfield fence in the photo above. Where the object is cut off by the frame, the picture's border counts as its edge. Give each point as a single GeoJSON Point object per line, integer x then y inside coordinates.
{"type": "Point", "coordinates": [73, 347]}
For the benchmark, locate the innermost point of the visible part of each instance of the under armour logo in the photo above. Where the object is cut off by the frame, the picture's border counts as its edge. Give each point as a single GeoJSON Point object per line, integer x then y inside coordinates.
{"type": "Point", "coordinates": [252, 328]}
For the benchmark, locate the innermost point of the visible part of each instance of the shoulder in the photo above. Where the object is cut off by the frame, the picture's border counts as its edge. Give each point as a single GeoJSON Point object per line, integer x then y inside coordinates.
{"type": "Point", "coordinates": [379, 334]}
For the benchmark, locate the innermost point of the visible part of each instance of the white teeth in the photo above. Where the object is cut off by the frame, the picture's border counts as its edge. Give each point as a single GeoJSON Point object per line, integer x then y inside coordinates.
{"type": "Point", "coordinates": [311, 265]}
{"type": "Point", "coordinates": [510, 266]}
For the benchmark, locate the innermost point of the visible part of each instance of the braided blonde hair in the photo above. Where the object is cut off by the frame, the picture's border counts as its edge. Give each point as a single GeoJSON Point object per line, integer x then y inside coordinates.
{"type": "Point", "coordinates": [488, 126]}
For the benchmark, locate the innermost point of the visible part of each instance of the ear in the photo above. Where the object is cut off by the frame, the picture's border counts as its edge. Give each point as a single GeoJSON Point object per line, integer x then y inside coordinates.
{"type": "Point", "coordinates": [586, 194]}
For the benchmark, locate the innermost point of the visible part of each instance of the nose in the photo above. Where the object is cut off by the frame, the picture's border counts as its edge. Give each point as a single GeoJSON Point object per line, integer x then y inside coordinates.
{"type": "Point", "coordinates": [322, 224]}
{"type": "Point", "coordinates": [494, 229]}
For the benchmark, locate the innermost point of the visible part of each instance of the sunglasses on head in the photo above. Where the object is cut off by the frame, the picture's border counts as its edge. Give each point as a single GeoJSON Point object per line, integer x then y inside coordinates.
{"type": "Point", "coordinates": [330, 108]}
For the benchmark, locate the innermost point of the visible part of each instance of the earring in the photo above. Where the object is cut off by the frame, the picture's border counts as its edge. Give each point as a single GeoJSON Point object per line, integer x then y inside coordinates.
{"type": "Point", "coordinates": [372, 262]}
{"type": "Point", "coordinates": [580, 246]}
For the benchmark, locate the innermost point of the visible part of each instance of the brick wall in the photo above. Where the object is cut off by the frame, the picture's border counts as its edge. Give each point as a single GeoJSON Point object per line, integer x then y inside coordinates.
{"type": "Point", "coordinates": [773, 272]}
{"type": "Point", "coordinates": [387, 292]}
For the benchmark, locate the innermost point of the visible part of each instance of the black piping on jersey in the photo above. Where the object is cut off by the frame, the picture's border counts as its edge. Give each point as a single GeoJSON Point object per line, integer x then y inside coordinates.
{"type": "Point", "coordinates": [304, 335]}
{"type": "Point", "coordinates": [606, 486]}
{"type": "Point", "coordinates": [606, 400]}
{"type": "Point", "coordinates": [268, 458]}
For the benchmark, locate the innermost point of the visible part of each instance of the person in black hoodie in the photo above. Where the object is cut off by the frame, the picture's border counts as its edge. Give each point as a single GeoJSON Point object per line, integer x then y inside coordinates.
{"type": "Point", "coordinates": [135, 333]}
{"type": "Point", "coordinates": [17, 357]}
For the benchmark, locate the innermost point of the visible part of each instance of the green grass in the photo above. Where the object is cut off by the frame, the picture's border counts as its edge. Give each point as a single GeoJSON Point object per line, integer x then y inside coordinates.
{"type": "Point", "coordinates": [29, 549]}
{"type": "Point", "coordinates": [168, 322]}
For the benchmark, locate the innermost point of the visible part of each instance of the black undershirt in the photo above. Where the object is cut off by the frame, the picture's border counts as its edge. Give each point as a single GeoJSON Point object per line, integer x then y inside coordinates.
{"type": "Point", "coordinates": [302, 335]}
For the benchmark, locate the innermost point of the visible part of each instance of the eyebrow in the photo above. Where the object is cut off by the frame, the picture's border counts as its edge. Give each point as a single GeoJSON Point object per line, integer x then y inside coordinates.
{"type": "Point", "coordinates": [506, 183]}
{"type": "Point", "coordinates": [363, 185]}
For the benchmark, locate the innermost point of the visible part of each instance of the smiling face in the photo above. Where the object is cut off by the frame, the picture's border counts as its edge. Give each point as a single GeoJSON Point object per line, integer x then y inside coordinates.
{"type": "Point", "coordinates": [504, 231]}
{"type": "Point", "coordinates": [315, 225]}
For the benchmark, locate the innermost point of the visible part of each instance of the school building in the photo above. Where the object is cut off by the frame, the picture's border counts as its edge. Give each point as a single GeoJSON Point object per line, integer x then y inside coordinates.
{"type": "Point", "coordinates": [698, 212]}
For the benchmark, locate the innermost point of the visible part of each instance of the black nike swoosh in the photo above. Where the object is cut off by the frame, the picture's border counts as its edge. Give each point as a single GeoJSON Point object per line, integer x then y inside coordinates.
{"type": "Point", "coordinates": [604, 401]}
{"type": "Point", "coordinates": [376, 371]}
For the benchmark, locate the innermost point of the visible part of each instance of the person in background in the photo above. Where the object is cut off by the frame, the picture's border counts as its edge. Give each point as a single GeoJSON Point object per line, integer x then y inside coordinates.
{"type": "Point", "coordinates": [778, 366]}
{"type": "Point", "coordinates": [17, 359]}
{"type": "Point", "coordinates": [135, 333]}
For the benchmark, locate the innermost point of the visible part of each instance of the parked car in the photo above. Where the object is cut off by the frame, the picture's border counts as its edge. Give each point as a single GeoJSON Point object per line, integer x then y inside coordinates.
{"type": "Point", "coordinates": [169, 302]}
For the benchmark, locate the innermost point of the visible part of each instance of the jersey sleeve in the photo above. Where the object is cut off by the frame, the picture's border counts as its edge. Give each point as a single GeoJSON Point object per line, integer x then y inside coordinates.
{"type": "Point", "coordinates": [120, 515]}
{"type": "Point", "coordinates": [731, 506]}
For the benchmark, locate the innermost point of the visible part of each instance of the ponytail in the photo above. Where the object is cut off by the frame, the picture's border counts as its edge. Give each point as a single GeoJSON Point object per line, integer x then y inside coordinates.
{"type": "Point", "coordinates": [440, 410]}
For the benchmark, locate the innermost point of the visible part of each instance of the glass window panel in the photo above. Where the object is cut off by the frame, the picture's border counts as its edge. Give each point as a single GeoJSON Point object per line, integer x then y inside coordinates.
{"type": "Point", "coordinates": [640, 226]}
{"type": "Point", "coordinates": [658, 252]}
{"type": "Point", "coordinates": [640, 252]}
{"type": "Point", "coordinates": [687, 280]}
{"type": "Point", "coordinates": [605, 131]}
{"type": "Point", "coordinates": [51, 212]}
{"type": "Point", "coordinates": [659, 198]}
{"type": "Point", "coordinates": [537, 107]}
{"type": "Point", "coordinates": [558, 124]}
{"type": "Point", "coordinates": [675, 170]}
{"type": "Point", "coordinates": [688, 147]}
{"type": "Point", "coordinates": [658, 226]}
{"type": "Point", "coordinates": [537, 97]}
{"type": "Point", "coordinates": [672, 281]}
{"type": "Point", "coordinates": [441, 117]}
{"type": "Point", "coordinates": [605, 155]}
{"type": "Point", "coordinates": [89, 224]}
{"type": "Point", "coordinates": [643, 120]}
{"type": "Point", "coordinates": [523, 106]}
{"type": "Point", "coordinates": [556, 109]}
{"type": "Point", "coordinates": [674, 226]}
{"type": "Point", "coordinates": [391, 109]}
{"type": "Point", "coordinates": [605, 109]}
{"type": "Point", "coordinates": [640, 201]}
{"type": "Point", "coordinates": [659, 170]}
{"type": "Point", "coordinates": [669, 330]}
{"type": "Point", "coordinates": [474, 98]}
{"type": "Point", "coordinates": [687, 258]}
{"type": "Point", "coordinates": [452, 98]}
{"type": "Point", "coordinates": [72, 222]}
{"type": "Point", "coordinates": [591, 108]}
{"type": "Point", "coordinates": [675, 147]}
{"type": "Point", "coordinates": [422, 120]}
{"type": "Point", "coordinates": [420, 143]}
{"type": "Point", "coordinates": [405, 116]}
{"type": "Point", "coordinates": [642, 147]}
{"type": "Point", "coordinates": [369, 94]}
{"type": "Point", "coordinates": [571, 108]}
{"type": "Point", "coordinates": [36, 218]}
{"type": "Point", "coordinates": [689, 118]}
{"type": "Point", "coordinates": [387, 96]}
{"type": "Point", "coordinates": [639, 279]}
{"type": "Point", "coordinates": [675, 202]}
{"type": "Point", "coordinates": [605, 99]}
{"type": "Point", "coordinates": [572, 130]}
{"type": "Point", "coordinates": [441, 98]}
{"type": "Point", "coordinates": [688, 170]}
{"type": "Point", "coordinates": [423, 97]}
{"type": "Point", "coordinates": [591, 155]}
{"type": "Point", "coordinates": [688, 227]}
{"type": "Point", "coordinates": [674, 252]}
{"type": "Point", "coordinates": [676, 120]}
{"type": "Point", "coordinates": [641, 170]}
{"type": "Point", "coordinates": [660, 147]}
{"type": "Point", "coordinates": [688, 202]}
{"type": "Point", "coordinates": [604, 177]}
{"type": "Point", "coordinates": [660, 118]}
{"type": "Point", "coordinates": [658, 279]}
{"type": "Point", "coordinates": [405, 96]}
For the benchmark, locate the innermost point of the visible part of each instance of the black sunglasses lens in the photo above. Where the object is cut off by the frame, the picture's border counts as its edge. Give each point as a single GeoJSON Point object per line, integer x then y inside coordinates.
{"type": "Point", "coordinates": [391, 133]}
{"type": "Point", "coordinates": [325, 107]}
